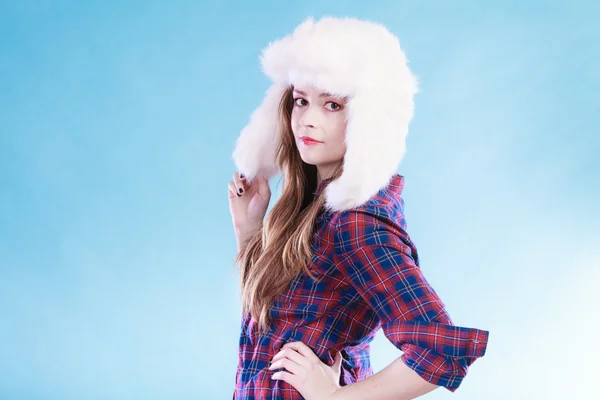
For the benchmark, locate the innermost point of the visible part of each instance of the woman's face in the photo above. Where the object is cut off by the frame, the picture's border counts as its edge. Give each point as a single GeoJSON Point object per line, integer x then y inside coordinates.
{"type": "Point", "coordinates": [321, 117]}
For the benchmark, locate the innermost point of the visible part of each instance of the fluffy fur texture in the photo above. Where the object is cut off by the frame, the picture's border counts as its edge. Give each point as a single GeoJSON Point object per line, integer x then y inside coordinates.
{"type": "Point", "coordinates": [346, 57]}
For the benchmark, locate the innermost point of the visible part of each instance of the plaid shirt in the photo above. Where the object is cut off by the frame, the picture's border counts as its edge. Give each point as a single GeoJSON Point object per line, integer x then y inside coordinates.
{"type": "Point", "coordinates": [368, 277]}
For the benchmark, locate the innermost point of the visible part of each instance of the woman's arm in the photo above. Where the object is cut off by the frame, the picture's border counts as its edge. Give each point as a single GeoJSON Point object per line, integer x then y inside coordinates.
{"type": "Point", "coordinates": [377, 257]}
{"type": "Point", "coordinates": [396, 381]}
{"type": "Point", "coordinates": [241, 237]}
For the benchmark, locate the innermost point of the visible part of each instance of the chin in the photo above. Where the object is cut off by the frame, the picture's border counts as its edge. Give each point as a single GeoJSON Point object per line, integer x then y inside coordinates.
{"type": "Point", "coordinates": [311, 160]}
{"type": "Point", "coordinates": [318, 159]}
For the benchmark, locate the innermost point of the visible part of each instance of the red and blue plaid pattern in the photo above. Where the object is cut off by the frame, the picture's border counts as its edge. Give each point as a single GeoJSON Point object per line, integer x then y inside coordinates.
{"type": "Point", "coordinates": [368, 277]}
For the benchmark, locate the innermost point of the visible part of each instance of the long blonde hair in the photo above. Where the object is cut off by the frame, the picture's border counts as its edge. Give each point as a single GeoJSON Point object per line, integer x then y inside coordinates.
{"type": "Point", "coordinates": [281, 248]}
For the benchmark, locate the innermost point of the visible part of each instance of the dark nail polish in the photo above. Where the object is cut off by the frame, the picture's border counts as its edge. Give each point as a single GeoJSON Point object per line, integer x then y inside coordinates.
{"type": "Point", "coordinates": [242, 175]}
{"type": "Point", "coordinates": [241, 190]}
{"type": "Point", "coordinates": [239, 195]}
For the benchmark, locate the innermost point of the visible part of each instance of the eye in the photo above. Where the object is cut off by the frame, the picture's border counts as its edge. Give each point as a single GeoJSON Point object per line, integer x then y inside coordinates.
{"type": "Point", "coordinates": [335, 106]}
{"type": "Point", "coordinates": [298, 101]}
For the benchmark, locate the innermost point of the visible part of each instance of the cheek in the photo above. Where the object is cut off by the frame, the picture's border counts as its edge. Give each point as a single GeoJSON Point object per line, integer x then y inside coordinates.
{"type": "Point", "coordinates": [294, 119]}
{"type": "Point", "coordinates": [339, 128]}
{"type": "Point", "coordinates": [337, 137]}
{"type": "Point", "coordinates": [342, 135]}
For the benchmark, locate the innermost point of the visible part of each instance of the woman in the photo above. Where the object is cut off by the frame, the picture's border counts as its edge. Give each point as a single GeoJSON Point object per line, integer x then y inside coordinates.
{"type": "Point", "coordinates": [332, 262]}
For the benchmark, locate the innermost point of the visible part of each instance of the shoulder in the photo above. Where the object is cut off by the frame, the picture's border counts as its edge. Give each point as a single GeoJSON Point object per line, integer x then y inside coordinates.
{"type": "Point", "coordinates": [378, 222]}
{"type": "Point", "coordinates": [385, 208]}
{"type": "Point", "coordinates": [375, 232]}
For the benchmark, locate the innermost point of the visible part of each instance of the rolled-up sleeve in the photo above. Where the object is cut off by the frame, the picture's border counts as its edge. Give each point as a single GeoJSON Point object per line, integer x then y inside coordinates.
{"type": "Point", "coordinates": [378, 258]}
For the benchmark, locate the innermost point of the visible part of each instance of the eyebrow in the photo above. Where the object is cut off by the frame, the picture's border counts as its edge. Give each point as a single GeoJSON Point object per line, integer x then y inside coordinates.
{"type": "Point", "coordinates": [326, 94]}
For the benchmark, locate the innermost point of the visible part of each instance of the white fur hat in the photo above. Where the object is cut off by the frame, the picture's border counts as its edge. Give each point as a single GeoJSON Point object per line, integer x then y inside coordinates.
{"type": "Point", "coordinates": [346, 57]}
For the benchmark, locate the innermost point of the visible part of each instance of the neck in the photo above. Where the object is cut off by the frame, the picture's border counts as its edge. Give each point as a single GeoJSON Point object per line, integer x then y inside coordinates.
{"type": "Point", "coordinates": [324, 172]}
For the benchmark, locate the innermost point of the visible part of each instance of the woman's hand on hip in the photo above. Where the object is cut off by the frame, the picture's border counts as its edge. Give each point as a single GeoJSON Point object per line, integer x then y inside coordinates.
{"type": "Point", "coordinates": [314, 379]}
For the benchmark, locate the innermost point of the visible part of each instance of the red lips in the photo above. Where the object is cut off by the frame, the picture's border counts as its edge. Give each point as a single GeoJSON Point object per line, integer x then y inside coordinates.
{"type": "Point", "coordinates": [307, 139]}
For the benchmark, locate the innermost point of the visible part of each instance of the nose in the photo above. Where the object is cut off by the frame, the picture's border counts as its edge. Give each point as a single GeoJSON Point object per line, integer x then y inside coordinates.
{"type": "Point", "coordinates": [309, 118]}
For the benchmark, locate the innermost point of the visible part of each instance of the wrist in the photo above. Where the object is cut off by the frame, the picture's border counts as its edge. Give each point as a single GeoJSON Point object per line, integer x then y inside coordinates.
{"type": "Point", "coordinates": [249, 227]}
{"type": "Point", "coordinates": [242, 234]}
{"type": "Point", "coordinates": [243, 231]}
{"type": "Point", "coordinates": [337, 394]}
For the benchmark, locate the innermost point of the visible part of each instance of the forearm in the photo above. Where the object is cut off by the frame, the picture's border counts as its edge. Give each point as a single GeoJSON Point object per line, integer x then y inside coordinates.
{"type": "Point", "coordinates": [242, 235]}
{"type": "Point", "coordinates": [395, 382]}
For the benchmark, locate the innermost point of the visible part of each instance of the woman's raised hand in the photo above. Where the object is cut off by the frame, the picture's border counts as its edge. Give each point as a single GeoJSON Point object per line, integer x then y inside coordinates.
{"type": "Point", "coordinates": [248, 201]}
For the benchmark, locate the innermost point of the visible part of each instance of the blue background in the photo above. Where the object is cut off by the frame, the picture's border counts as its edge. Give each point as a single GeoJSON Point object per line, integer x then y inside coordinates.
{"type": "Point", "coordinates": [117, 124]}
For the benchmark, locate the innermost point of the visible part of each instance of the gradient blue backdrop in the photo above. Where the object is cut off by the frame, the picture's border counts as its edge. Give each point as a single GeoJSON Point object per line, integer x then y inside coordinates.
{"type": "Point", "coordinates": [117, 123]}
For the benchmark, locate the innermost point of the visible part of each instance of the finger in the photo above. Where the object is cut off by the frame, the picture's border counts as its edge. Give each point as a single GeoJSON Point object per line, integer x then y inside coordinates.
{"type": "Point", "coordinates": [292, 355]}
{"type": "Point", "coordinates": [239, 184]}
{"type": "Point", "coordinates": [233, 192]}
{"type": "Point", "coordinates": [287, 364]}
{"type": "Point", "coordinates": [287, 377]}
{"type": "Point", "coordinates": [337, 363]}
{"type": "Point", "coordinates": [302, 349]}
